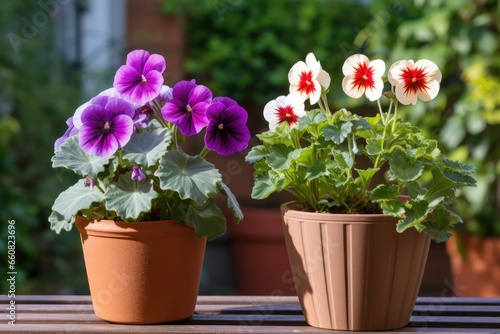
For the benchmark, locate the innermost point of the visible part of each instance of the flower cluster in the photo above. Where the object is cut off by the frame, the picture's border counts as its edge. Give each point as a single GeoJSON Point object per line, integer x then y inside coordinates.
{"type": "Point", "coordinates": [125, 144]}
{"type": "Point", "coordinates": [329, 160]}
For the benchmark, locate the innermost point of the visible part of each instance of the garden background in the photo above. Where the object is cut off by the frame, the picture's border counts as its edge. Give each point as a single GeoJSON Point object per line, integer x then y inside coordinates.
{"type": "Point", "coordinates": [53, 59]}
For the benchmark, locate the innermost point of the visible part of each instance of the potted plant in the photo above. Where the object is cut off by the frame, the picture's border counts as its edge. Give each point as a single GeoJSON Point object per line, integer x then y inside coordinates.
{"type": "Point", "coordinates": [143, 206]}
{"type": "Point", "coordinates": [352, 235]}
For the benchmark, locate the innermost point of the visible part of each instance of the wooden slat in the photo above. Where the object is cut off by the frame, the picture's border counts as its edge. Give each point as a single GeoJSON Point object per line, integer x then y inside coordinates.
{"type": "Point", "coordinates": [236, 314]}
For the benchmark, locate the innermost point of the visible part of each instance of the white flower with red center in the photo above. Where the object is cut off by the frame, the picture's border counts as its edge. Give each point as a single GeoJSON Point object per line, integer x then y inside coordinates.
{"type": "Point", "coordinates": [287, 109]}
{"type": "Point", "coordinates": [412, 80]}
{"type": "Point", "coordinates": [306, 79]}
{"type": "Point", "coordinates": [363, 76]}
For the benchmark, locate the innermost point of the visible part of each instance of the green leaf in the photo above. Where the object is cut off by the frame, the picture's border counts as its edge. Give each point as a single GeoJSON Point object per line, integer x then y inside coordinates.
{"type": "Point", "coordinates": [58, 223]}
{"type": "Point", "coordinates": [344, 159]}
{"type": "Point", "coordinates": [263, 188]}
{"type": "Point", "coordinates": [337, 132]}
{"type": "Point", "coordinates": [69, 202]}
{"type": "Point", "coordinates": [316, 170]}
{"type": "Point", "coordinates": [232, 202]}
{"type": "Point", "coordinates": [374, 146]}
{"type": "Point", "coordinates": [403, 167]}
{"type": "Point", "coordinates": [387, 197]}
{"type": "Point", "coordinates": [458, 172]}
{"type": "Point", "coordinates": [384, 192]}
{"type": "Point", "coordinates": [443, 222]}
{"type": "Point", "coordinates": [206, 219]}
{"type": "Point", "coordinates": [192, 177]}
{"type": "Point", "coordinates": [257, 153]}
{"type": "Point", "coordinates": [366, 175]}
{"type": "Point", "coordinates": [146, 148]}
{"type": "Point", "coordinates": [416, 213]}
{"type": "Point", "coordinates": [129, 198]}
{"type": "Point", "coordinates": [71, 156]}
{"type": "Point", "coordinates": [281, 156]}
{"type": "Point", "coordinates": [312, 117]}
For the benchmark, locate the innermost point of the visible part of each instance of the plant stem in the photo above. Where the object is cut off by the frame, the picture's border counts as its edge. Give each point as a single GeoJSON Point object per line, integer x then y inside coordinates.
{"type": "Point", "coordinates": [158, 115]}
{"type": "Point", "coordinates": [204, 152]}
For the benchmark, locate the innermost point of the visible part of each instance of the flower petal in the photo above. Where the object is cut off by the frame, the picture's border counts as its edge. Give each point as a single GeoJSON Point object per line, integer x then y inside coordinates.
{"type": "Point", "coordinates": [351, 89]}
{"type": "Point", "coordinates": [352, 62]}
{"type": "Point", "coordinates": [404, 97]}
{"type": "Point", "coordinates": [155, 62]}
{"type": "Point", "coordinates": [137, 59]}
{"type": "Point", "coordinates": [226, 132]}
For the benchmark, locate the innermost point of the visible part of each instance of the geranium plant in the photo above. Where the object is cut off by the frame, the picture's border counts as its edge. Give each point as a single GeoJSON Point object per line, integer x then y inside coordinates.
{"type": "Point", "coordinates": [125, 143]}
{"type": "Point", "coordinates": [329, 160]}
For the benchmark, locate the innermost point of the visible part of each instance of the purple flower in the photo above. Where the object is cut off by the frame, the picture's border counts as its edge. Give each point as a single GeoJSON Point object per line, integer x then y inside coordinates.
{"type": "Point", "coordinates": [227, 132]}
{"type": "Point", "coordinates": [110, 92]}
{"type": "Point", "coordinates": [165, 95]}
{"type": "Point", "coordinates": [188, 106]}
{"type": "Point", "coordinates": [71, 131]}
{"type": "Point", "coordinates": [89, 182]}
{"type": "Point", "coordinates": [107, 125]}
{"type": "Point", "coordinates": [137, 174]}
{"type": "Point", "coordinates": [140, 79]}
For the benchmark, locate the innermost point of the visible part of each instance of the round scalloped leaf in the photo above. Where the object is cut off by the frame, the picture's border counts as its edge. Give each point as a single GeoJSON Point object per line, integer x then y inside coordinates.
{"type": "Point", "coordinates": [129, 198]}
{"type": "Point", "coordinates": [71, 156]}
{"type": "Point", "coordinates": [192, 177]}
{"type": "Point", "coordinates": [69, 202]}
{"type": "Point", "coordinates": [146, 148]}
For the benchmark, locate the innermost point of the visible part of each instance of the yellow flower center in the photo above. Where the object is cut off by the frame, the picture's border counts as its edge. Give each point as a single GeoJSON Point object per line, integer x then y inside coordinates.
{"type": "Point", "coordinates": [220, 126]}
{"type": "Point", "coordinates": [143, 79]}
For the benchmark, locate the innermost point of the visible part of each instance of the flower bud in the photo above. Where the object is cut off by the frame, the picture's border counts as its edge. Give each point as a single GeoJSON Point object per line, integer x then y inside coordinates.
{"type": "Point", "coordinates": [137, 174]}
{"type": "Point", "coordinates": [89, 182]}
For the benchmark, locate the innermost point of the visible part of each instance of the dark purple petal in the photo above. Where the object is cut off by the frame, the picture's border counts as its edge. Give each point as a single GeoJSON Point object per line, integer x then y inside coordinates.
{"type": "Point", "coordinates": [119, 107]}
{"type": "Point", "coordinates": [227, 101]}
{"type": "Point", "coordinates": [199, 94]}
{"type": "Point", "coordinates": [70, 132]}
{"type": "Point", "coordinates": [182, 89]}
{"type": "Point", "coordinates": [227, 132]}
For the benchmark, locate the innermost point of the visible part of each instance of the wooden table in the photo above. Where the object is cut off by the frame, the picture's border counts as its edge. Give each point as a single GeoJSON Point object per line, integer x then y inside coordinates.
{"type": "Point", "coordinates": [240, 314]}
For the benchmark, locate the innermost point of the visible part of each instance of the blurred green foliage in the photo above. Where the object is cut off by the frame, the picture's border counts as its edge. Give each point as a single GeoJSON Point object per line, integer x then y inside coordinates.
{"type": "Point", "coordinates": [39, 92]}
{"type": "Point", "coordinates": [245, 48]}
{"type": "Point", "coordinates": [463, 38]}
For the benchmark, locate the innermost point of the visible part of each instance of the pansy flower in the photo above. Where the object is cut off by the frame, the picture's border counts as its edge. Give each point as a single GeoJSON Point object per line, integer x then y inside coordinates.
{"type": "Point", "coordinates": [284, 109]}
{"type": "Point", "coordinates": [412, 80]}
{"type": "Point", "coordinates": [187, 107]}
{"type": "Point", "coordinates": [226, 132]}
{"type": "Point", "coordinates": [363, 76]}
{"type": "Point", "coordinates": [107, 125]}
{"type": "Point", "coordinates": [140, 79]}
{"type": "Point", "coordinates": [307, 79]}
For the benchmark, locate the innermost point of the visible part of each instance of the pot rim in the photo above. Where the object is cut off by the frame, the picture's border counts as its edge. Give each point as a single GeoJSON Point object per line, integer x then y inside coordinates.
{"type": "Point", "coordinates": [128, 230]}
{"type": "Point", "coordinates": [287, 209]}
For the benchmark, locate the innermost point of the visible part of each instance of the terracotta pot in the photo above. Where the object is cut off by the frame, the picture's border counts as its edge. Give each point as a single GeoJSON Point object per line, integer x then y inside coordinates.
{"type": "Point", "coordinates": [476, 273]}
{"type": "Point", "coordinates": [142, 272]}
{"type": "Point", "coordinates": [259, 251]}
{"type": "Point", "coordinates": [354, 272]}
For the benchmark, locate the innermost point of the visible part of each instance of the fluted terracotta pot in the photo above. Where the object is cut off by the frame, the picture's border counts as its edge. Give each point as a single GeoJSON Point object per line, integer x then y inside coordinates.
{"type": "Point", "coordinates": [354, 271]}
{"type": "Point", "coordinates": [142, 272]}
